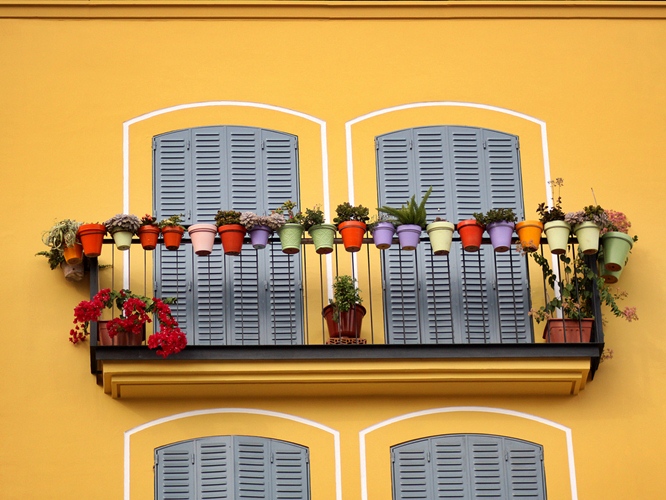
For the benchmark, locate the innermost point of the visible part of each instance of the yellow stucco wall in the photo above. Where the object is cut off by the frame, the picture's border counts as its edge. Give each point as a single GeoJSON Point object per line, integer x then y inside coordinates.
{"type": "Point", "coordinates": [594, 80]}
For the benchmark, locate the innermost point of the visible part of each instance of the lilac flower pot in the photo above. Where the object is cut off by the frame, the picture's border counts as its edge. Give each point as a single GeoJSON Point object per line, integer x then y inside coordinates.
{"type": "Point", "coordinates": [383, 235]}
{"type": "Point", "coordinates": [500, 235]}
{"type": "Point", "coordinates": [259, 236]}
{"type": "Point", "coordinates": [409, 236]}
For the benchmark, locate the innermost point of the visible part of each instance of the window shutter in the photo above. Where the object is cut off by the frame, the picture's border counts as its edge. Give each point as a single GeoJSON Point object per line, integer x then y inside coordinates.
{"type": "Point", "coordinates": [525, 469]}
{"type": "Point", "coordinates": [436, 299]}
{"type": "Point", "coordinates": [289, 470]}
{"type": "Point", "coordinates": [214, 468]}
{"type": "Point", "coordinates": [486, 463]}
{"type": "Point", "coordinates": [451, 474]}
{"type": "Point", "coordinates": [174, 472]}
{"type": "Point", "coordinates": [252, 467]}
{"type": "Point", "coordinates": [412, 471]}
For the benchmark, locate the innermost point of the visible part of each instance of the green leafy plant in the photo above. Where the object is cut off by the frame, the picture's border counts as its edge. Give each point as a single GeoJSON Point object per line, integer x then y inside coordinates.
{"type": "Point", "coordinates": [55, 257]}
{"type": "Point", "coordinates": [495, 215]}
{"type": "Point", "coordinates": [576, 290]}
{"type": "Point", "coordinates": [61, 235]}
{"type": "Point", "coordinates": [173, 221]}
{"type": "Point", "coordinates": [227, 217]}
{"type": "Point", "coordinates": [345, 295]}
{"type": "Point", "coordinates": [411, 212]}
{"type": "Point", "coordinates": [549, 214]}
{"type": "Point", "coordinates": [311, 217]}
{"type": "Point", "coordinates": [347, 212]}
{"type": "Point", "coordinates": [287, 211]}
{"type": "Point", "coordinates": [591, 213]}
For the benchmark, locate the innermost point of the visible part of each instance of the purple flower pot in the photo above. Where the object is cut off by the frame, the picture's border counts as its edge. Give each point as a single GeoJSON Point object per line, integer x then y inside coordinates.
{"type": "Point", "coordinates": [383, 235]}
{"type": "Point", "coordinates": [259, 236]}
{"type": "Point", "coordinates": [500, 235]}
{"type": "Point", "coordinates": [409, 236]}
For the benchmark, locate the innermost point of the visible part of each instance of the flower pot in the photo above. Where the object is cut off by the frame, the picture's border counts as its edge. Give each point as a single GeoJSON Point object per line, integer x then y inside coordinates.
{"type": "Point", "coordinates": [290, 237]}
{"type": "Point", "coordinates": [121, 339]}
{"type": "Point", "coordinates": [352, 232]}
{"type": "Point", "coordinates": [259, 236]}
{"type": "Point", "coordinates": [529, 234]}
{"type": "Point", "coordinates": [616, 247]}
{"type": "Point", "coordinates": [382, 235]}
{"type": "Point", "coordinates": [348, 324]}
{"type": "Point", "coordinates": [559, 330]}
{"type": "Point", "coordinates": [148, 236]}
{"type": "Point", "coordinates": [203, 238]}
{"type": "Point", "coordinates": [557, 234]}
{"type": "Point", "coordinates": [500, 235]}
{"type": "Point", "coordinates": [232, 238]}
{"type": "Point", "coordinates": [409, 236]}
{"type": "Point", "coordinates": [72, 272]}
{"type": "Point", "coordinates": [122, 238]}
{"type": "Point", "coordinates": [471, 234]}
{"type": "Point", "coordinates": [322, 238]}
{"type": "Point", "coordinates": [74, 254]}
{"type": "Point", "coordinates": [441, 236]}
{"type": "Point", "coordinates": [172, 236]}
{"type": "Point", "coordinates": [92, 237]}
{"type": "Point", "coordinates": [587, 234]}
{"type": "Point", "coordinates": [609, 277]}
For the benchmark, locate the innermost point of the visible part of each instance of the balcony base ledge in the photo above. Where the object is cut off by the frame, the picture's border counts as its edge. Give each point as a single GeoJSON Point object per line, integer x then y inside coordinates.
{"type": "Point", "coordinates": [311, 376]}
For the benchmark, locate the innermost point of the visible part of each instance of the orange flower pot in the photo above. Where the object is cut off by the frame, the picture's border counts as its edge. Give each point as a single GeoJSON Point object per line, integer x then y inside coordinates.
{"type": "Point", "coordinates": [576, 331]}
{"type": "Point", "coordinates": [74, 254]}
{"type": "Point", "coordinates": [529, 233]}
{"type": "Point", "coordinates": [92, 237]}
{"type": "Point", "coordinates": [471, 234]}
{"type": "Point", "coordinates": [148, 236]}
{"type": "Point", "coordinates": [232, 238]}
{"type": "Point", "coordinates": [348, 324]}
{"type": "Point", "coordinates": [352, 232]}
{"type": "Point", "coordinates": [172, 237]}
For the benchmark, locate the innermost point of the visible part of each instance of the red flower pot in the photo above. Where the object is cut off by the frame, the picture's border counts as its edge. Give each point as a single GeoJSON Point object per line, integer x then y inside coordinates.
{"type": "Point", "coordinates": [92, 237]}
{"type": "Point", "coordinates": [148, 236]}
{"type": "Point", "coordinates": [352, 232]}
{"type": "Point", "coordinates": [124, 339]}
{"type": "Point", "coordinates": [172, 236]}
{"type": "Point", "coordinates": [232, 238]}
{"type": "Point", "coordinates": [348, 324]}
{"type": "Point", "coordinates": [471, 234]}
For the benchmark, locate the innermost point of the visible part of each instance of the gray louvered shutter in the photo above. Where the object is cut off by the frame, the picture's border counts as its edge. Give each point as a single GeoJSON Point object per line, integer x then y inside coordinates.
{"type": "Point", "coordinates": [486, 463]}
{"type": "Point", "coordinates": [290, 478]}
{"type": "Point", "coordinates": [174, 472]}
{"type": "Point", "coordinates": [214, 468]}
{"type": "Point", "coordinates": [412, 471]}
{"type": "Point", "coordinates": [524, 464]}
{"type": "Point", "coordinates": [452, 299]}
{"type": "Point", "coordinates": [252, 467]}
{"type": "Point", "coordinates": [451, 474]}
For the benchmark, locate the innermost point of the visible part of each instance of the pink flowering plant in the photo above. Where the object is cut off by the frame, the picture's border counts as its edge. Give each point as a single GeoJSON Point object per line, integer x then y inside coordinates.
{"type": "Point", "coordinates": [135, 311]}
{"type": "Point", "coordinates": [617, 221]}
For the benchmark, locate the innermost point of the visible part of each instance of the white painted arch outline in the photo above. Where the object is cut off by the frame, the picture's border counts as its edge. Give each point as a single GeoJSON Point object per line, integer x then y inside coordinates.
{"type": "Point", "coordinates": [478, 409]}
{"type": "Point", "coordinates": [213, 411]}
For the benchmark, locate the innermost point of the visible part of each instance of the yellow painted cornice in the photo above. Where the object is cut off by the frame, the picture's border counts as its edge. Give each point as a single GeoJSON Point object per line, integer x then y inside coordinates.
{"type": "Point", "coordinates": [331, 9]}
{"type": "Point", "coordinates": [331, 378]}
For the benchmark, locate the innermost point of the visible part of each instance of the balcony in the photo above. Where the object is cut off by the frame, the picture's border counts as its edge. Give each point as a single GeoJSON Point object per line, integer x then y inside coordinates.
{"type": "Point", "coordinates": [499, 357]}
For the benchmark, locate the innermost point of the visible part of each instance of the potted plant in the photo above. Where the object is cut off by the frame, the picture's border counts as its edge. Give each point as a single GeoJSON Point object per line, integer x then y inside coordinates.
{"type": "Point", "coordinates": [411, 220]}
{"type": "Point", "coordinates": [149, 232]}
{"type": "Point", "coordinates": [62, 237]}
{"type": "Point", "coordinates": [571, 294]}
{"type": "Point", "coordinates": [261, 227]}
{"type": "Point", "coordinates": [471, 234]}
{"type": "Point", "coordinates": [616, 244]}
{"type": "Point", "coordinates": [129, 327]}
{"type": "Point", "coordinates": [499, 222]}
{"type": "Point", "coordinates": [382, 229]}
{"type": "Point", "coordinates": [351, 223]}
{"type": "Point", "coordinates": [202, 236]}
{"type": "Point", "coordinates": [344, 314]}
{"type": "Point", "coordinates": [122, 227]}
{"type": "Point", "coordinates": [440, 232]}
{"type": "Point", "coordinates": [322, 234]}
{"type": "Point", "coordinates": [232, 232]}
{"type": "Point", "coordinates": [172, 231]}
{"type": "Point", "coordinates": [291, 231]}
{"type": "Point", "coordinates": [56, 258]}
{"type": "Point", "coordinates": [587, 225]}
{"type": "Point", "coordinates": [91, 237]}
{"type": "Point", "coordinates": [556, 229]}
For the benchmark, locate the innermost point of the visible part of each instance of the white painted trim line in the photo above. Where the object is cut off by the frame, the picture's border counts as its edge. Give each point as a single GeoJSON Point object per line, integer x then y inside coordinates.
{"type": "Point", "coordinates": [180, 107]}
{"type": "Point", "coordinates": [251, 411]}
{"type": "Point", "coordinates": [479, 409]}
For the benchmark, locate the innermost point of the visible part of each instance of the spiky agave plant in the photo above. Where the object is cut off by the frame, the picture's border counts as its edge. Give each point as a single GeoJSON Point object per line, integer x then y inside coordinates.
{"type": "Point", "coordinates": [411, 212]}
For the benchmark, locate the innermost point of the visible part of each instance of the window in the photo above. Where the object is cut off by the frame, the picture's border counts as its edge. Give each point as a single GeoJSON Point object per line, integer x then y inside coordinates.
{"type": "Point", "coordinates": [198, 172]}
{"type": "Point", "coordinates": [479, 297]}
{"type": "Point", "coordinates": [239, 467]}
{"type": "Point", "coordinates": [468, 466]}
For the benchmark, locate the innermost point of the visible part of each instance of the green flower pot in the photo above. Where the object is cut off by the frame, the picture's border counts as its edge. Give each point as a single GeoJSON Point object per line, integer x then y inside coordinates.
{"type": "Point", "coordinates": [322, 237]}
{"type": "Point", "coordinates": [290, 237]}
{"type": "Point", "coordinates": [557, 234]}
{"type": "Point", "coordinates": [587, 234]}
{"type": "Point", "coordinates": [441, 236]}
{"type": "Point", "coordinates": [616, 247]}
{"type": "Point", "coordinates": [123, 239]}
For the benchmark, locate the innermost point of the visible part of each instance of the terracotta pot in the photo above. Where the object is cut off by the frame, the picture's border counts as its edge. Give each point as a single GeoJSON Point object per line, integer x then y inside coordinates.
{"type": "Point", "coordinates": [172, 236]}
{"type": "Point", "coordinates": [352, 232]}
{"type": "Point", "coordinates": [148, 236]}
{"type": "Point", "coordinates": [576, 330]}
{"type": "Point", "coordinates": [203, 238]}
{"type": "Point", "coordinates": [382, 235]}
{"type": "Point", "coordinates": [232, 238]}
{"type": "Point", "coordinates": [471, 234]}
{"type": "Point", "coordinates": [500, 235]}
{"type": "Point", "coordinates": [92, 237]}
{"type": "Point", "coordinates": [323, 236]}
{"type": "Point", "coordinates": [348, 324]}
{"type": "Point", "coordinates": [74, 254]}
{"type": "Point", "coordinates": [529, 233]}
{"type": "Point", "coordinates": [122, 339]}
